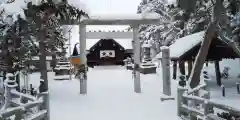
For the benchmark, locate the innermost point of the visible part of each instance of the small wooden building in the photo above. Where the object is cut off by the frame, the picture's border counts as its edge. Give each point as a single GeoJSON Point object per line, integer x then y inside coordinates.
{"type": "Point", "coordinates": [108, 51]}
{"type": "Point", "coordinates": [186, 49]}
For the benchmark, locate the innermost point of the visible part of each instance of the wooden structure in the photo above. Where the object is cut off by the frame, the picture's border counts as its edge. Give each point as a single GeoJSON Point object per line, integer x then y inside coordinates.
{"type": "Point", "coordinates": [122, 39]}
{"type": "Point", "coordinates": [185, 50]}
{"type": "Point", "coordinates": [194, 106]}
{"type": "Point", "coordinates": [106, 51]}
{"type": "Point", "coordinates": [16, 109]}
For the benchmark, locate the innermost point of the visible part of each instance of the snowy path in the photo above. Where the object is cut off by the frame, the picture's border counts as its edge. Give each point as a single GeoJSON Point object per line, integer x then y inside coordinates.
{"type": "Point", "coordinates": [110, 97]}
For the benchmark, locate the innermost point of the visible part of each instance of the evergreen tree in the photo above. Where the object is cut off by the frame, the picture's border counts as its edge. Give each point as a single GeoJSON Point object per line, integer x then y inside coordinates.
{"type": "Point", "coordinates": [36, 33]}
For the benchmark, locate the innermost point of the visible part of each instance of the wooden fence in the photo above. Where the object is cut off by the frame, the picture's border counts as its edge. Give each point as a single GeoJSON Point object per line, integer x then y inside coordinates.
{"type": "Point", "coordinates": [17, 104]}
{"type": "Point", "coordinates": [192, 105]}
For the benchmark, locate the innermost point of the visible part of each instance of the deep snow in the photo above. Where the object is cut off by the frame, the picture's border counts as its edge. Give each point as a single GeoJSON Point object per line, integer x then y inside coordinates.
{"type": "Point", "coordinates": [110, 96]}
{"type": "Point", "coordinates": [232, 98]}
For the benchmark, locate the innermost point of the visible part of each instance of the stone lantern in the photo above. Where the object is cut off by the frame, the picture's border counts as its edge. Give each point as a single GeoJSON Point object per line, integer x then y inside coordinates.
{"type": "Point", "coordinates": [146, 51]}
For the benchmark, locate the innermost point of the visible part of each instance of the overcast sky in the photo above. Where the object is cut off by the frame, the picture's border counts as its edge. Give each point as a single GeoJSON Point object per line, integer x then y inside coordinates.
{"type": "Point", "coordinates": [107, 7]}
{"type": "Point", "coordinates": [112, 6]}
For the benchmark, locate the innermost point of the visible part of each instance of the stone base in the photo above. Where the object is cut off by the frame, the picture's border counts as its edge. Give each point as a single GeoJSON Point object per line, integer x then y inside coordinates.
{"type": "Point", "coordinates": [62, 77]}
{"type": "Point", "coordinates": [129, 66]}
{"type": "Point", "coordinates": [62, 72]}
{"type": "Point", "coordinates": [165, 97]}
{"type": "Point", "coordinates": [150, 69]}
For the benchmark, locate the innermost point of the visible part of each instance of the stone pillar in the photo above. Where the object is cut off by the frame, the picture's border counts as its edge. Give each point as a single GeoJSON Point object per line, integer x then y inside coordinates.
{"type": "Point", "coordinates": [137, 56]}
{"type": "Point", "coordinates": [10, 84]}
{"type": "Point", "coordinates": [166, 70]}
{"type": "Point", "coordinates": [83, 59]}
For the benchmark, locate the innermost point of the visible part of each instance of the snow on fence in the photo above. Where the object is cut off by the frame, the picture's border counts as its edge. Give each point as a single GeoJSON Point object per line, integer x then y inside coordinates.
{"type": "Point", "coordinates": [16, 104]}
{"type": "Point", "coordinates": [193, 106]}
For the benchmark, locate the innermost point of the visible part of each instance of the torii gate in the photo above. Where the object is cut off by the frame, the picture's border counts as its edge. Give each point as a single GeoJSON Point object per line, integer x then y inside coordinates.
{"type": "Point", "coordinates": [134, 20]}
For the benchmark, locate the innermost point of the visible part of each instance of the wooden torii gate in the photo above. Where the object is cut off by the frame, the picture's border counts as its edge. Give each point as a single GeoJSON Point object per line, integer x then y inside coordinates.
{"type": "Point", "coordinates": [133, 20]}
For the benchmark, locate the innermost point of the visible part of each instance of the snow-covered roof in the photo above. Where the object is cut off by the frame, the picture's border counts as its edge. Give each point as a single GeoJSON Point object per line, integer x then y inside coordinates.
{"type": "Point", "coordinates": [90, 43]}
{"type": "Point", "coordinates": [126, 43]}
{"type": "Point", "coordinates": [126, 19]}
{"type": "Point", "coordinates": [183, 45]}
{"type": "Point", "coordinates": [106, 28]}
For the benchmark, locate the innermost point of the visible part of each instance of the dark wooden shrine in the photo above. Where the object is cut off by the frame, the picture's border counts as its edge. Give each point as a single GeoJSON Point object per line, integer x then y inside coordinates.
{"type": "Point", "coordinates": [218, 50]}
{"type": "Point", "coordinates": [116, 53]}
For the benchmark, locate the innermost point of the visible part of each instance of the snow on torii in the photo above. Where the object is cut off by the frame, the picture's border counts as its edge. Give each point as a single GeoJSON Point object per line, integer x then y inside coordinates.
{"type": "Point", "coordinates": [134, 20]}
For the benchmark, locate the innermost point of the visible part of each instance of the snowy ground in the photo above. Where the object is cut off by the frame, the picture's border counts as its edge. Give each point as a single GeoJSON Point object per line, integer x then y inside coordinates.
{"type": "Point", "coordinates": [232, 98]}
{"type": "Point", "coordinates": [110, 97]}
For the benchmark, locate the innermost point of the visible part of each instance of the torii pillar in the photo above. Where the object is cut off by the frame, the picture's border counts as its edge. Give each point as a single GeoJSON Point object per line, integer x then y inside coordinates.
{"type": "Point", "coordinates": [135, 20]}
{"type": "Point", "coordinates": [83, 58]}
{"type": "Point", "coordinates": [137, 59]}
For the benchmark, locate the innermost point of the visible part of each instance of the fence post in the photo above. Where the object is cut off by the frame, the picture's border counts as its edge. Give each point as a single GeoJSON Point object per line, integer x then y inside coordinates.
{"type": "Point", "coordinates": [223, 90]}
{"type": "Point", "coordinates": [45, 105]}
{"type": "Point", "coordinates": [180, 92]}
{"type": "Point", "coordinates": [166, 70]}
{"type": "Point", "coordinates": [238, 88]}
{"type": "Point", "coordinates": [1, 91]}
{"type": "Point", "coordinates": [19, 115]}
{"type": "Point", "coordinates": [206, 109]}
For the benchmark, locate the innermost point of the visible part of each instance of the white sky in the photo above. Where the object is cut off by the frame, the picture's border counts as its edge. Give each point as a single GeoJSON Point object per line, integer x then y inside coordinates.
{"type": "Point", "coordinates": [112, 6]}
{"type": "Point", "coordinates": [107, 7]}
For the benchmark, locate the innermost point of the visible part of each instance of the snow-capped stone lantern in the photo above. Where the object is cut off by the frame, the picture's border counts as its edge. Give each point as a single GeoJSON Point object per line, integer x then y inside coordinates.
{"type": "Point", "coordinates": [11, 81]}
{"type": "Point", "coordinates": [146, 51]}
{"type": "Point", "coordinates": [10, 84]}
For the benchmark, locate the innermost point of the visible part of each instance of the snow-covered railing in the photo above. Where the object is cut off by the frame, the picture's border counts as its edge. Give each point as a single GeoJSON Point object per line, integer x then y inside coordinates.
{"type": "Point", "coordinates": [15, 107]}
{"type": "Point", "coordinates": [193, 106]}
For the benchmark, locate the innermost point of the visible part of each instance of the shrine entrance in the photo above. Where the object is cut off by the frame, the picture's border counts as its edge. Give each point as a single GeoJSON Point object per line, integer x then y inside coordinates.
{"type": "Point", "coordinates": [134, 21]}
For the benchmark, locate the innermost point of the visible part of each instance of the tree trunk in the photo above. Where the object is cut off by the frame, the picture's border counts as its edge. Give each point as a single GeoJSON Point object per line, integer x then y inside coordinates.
{"type": "Point", "coordinates": [218, 73]}
{"type": "Point", "coordinates": [202, 54]}
{"type": "Point", "coordinates": [43, 65]}
{"type": "Point", "coordinates": [18, 82]}
{"type": "Point", "coordinates": [54, 61]}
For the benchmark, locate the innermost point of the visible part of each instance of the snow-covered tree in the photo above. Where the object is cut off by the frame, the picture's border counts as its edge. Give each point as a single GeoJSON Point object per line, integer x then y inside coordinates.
{"type": "Point", "coordinates": [46, 18]}
{"type": "Point", "coordinates": [168, 30]}
{"type": "Point", "coordinates": [34, 30]}
{"type": "Point", "coordinates": [147, 31]}
{"type": "Point", "coordinates": [14, 38]}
